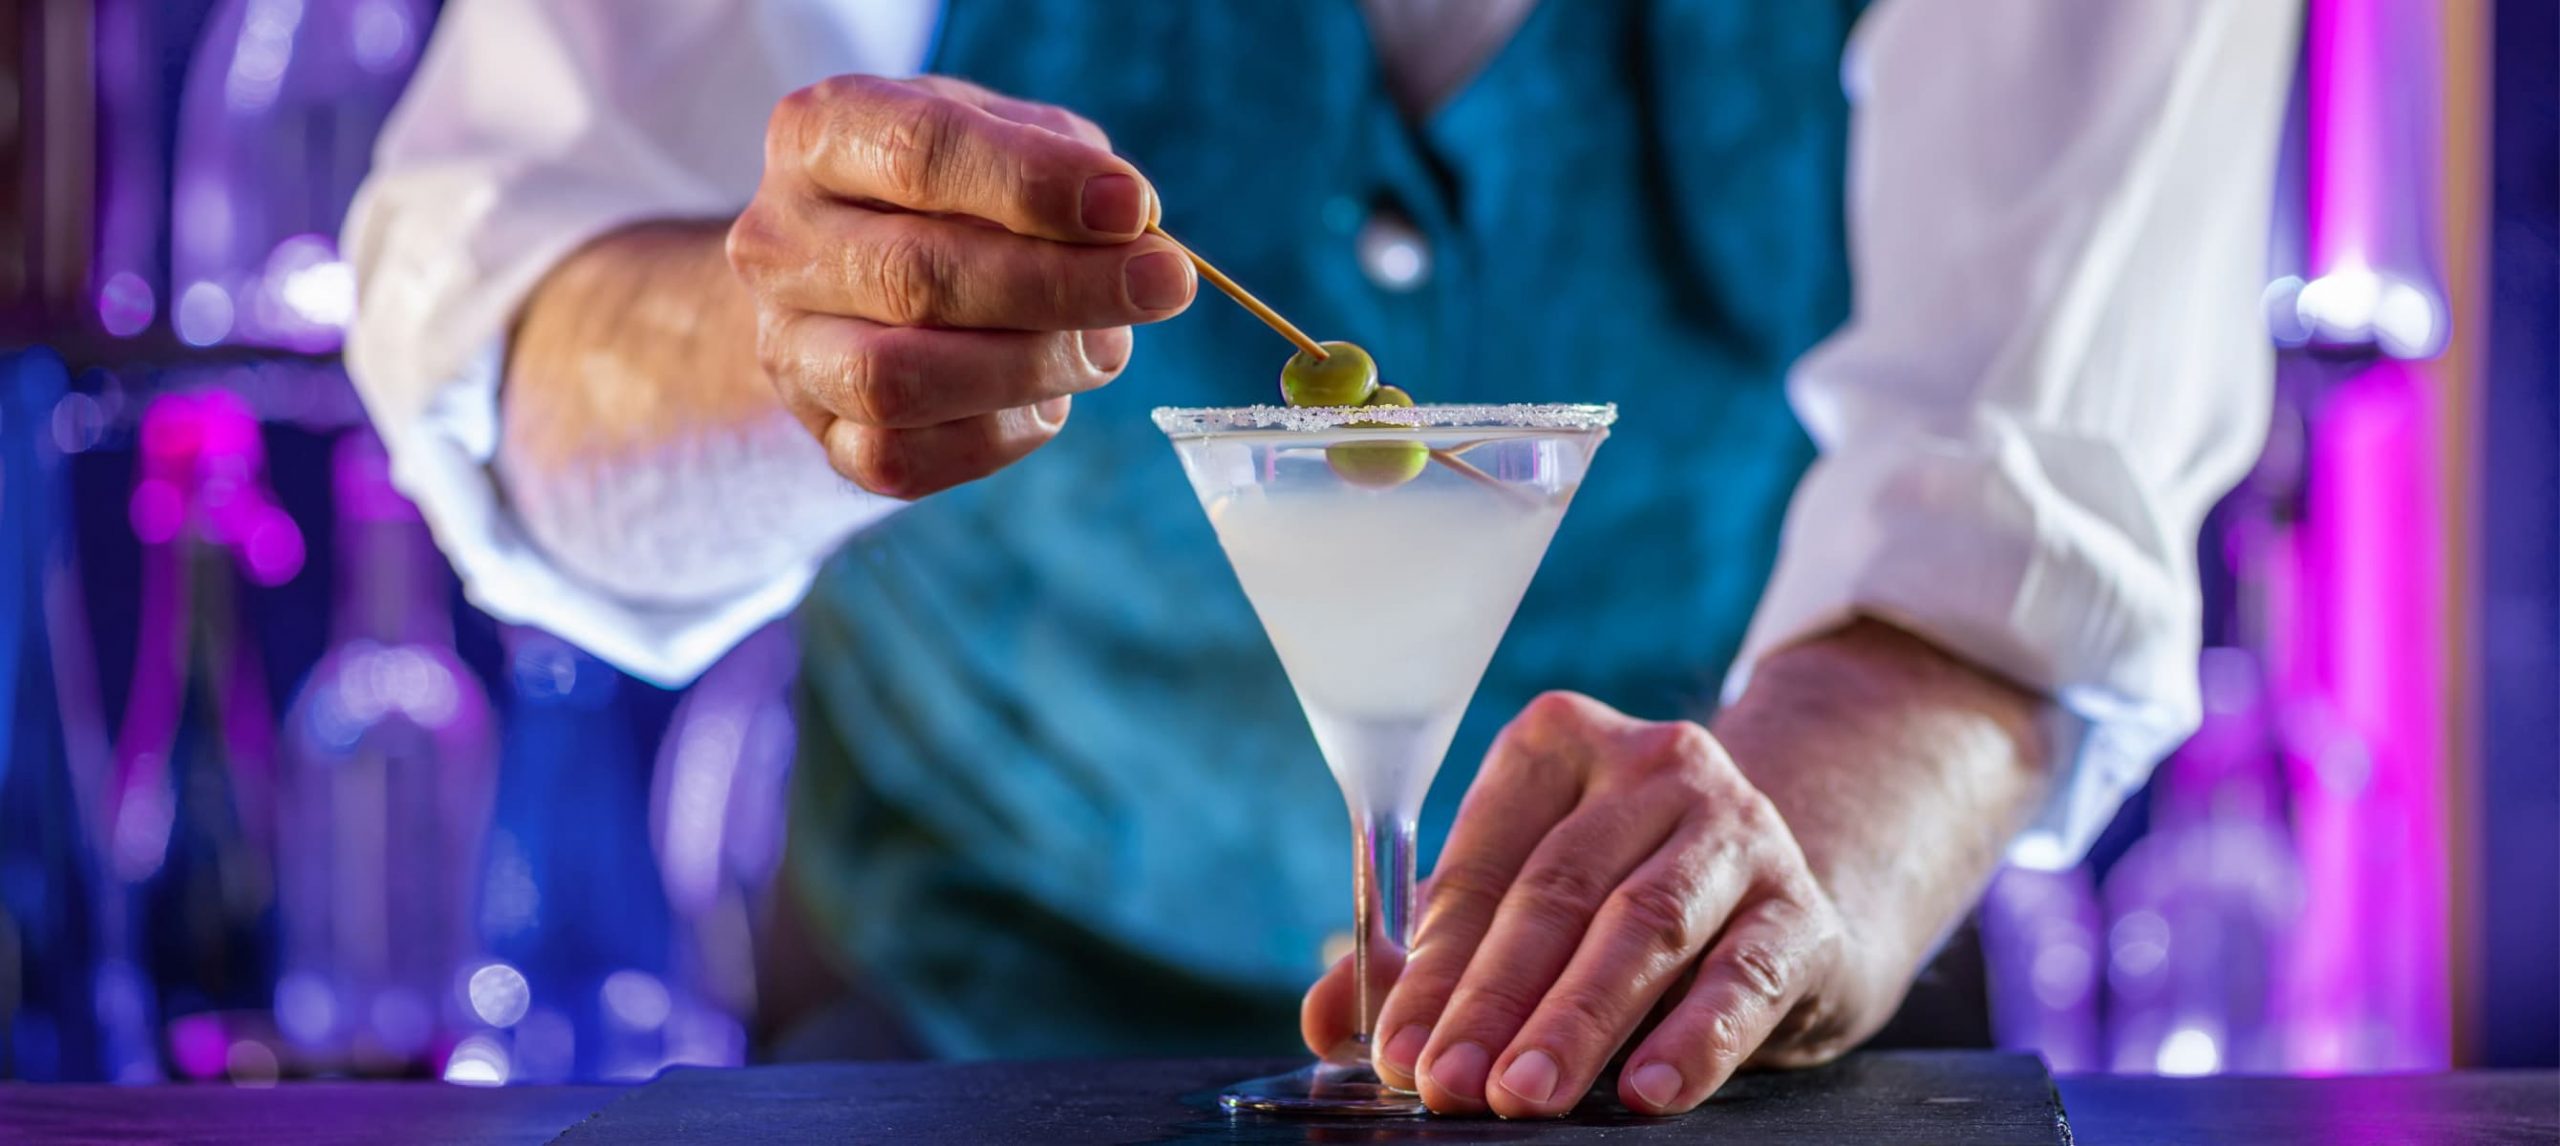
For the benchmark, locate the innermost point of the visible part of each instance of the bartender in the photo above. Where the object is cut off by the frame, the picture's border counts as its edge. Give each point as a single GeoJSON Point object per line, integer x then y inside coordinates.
{"type": "Point", "coordinates": [1933, 327]}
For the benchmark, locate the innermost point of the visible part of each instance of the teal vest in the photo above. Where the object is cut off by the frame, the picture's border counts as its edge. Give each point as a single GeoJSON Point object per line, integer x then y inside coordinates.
{"type": "Point", "coordinates": [1054, 796]}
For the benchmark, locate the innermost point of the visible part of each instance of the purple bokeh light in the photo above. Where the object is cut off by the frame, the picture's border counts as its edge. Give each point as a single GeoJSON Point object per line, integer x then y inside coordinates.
{"type": "Point", "coordinates": [126, 305]}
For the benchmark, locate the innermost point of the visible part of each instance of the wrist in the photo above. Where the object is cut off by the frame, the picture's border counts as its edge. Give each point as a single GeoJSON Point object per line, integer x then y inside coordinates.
{"type": "Point", "coordinates": [638, 337]}
{"type": "Point", "coordinates": [1903, 774]}
{"type": "Point", "coordinates": [641, 449]}
{"type": "Point", "coordinates": [1876, 954]}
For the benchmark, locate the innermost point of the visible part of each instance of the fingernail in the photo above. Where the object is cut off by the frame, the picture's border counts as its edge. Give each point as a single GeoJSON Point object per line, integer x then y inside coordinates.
{"type": "Point", "coordinates": [1115, 205]}
{"type": "Point", "coordinates": [1106, 351]}
{"type": "Point", "coordinates": [1657, 1083]}
{"type": "Point", "coordinates": [1158, 281]}
{"type": "Point", "coordinates": [1405, 1047]}
{"type": "Point", "coordinates": [1532, 1076]}
{"type": "Point", "coordinates": [1460, 1071]}
{"type": "Point", "coordinates": [1052, 413]}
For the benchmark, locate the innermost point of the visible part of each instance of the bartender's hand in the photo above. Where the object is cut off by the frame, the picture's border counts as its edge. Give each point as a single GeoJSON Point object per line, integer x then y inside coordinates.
{"type": "Point", "coordinates": [936, 269]}
{"type": "Point", "coordinates": [1605, 874]}
{"type": "Point", "coordinates": [1760, 895]}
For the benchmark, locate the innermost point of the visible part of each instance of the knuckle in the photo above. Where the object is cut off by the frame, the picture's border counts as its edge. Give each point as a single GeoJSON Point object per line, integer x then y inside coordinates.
{"type": "Point", "coordinates": [1724, 1040]}
{"type": "Point", "coordinates": [1710, 783]}
{"type": "Point", "coordinates": [801, 101]}
{"type": "Point", "coordinates": [787, 360]}
{"type": "Point", "coordinates": [1680, 748]}
{"type": "Point", "coordinates": [1660, 912]}
{"type": "Point", "coordinates": [1554, 706]}
{"type": "Point", "coordinates": [883, 383]}
{"type": "Point", "coordinates": [882, 463]}
{"type": "Point", "coordinates": [854, 88]}
{"type": "Point", "coordinates": [1550, 720]}
{"type": "Point", "coordinates": [1466, 883]}
{"type": "Point", "coordinates": [791, 134]}
{"type": "Point", "coordinates": [1762, 970]}
{"type": "Point", "coordinates": [844, 450]}
{"type": "Point", "coordinates": [1493, 1001]}
{"type": "Point", "coordinates": [1069, 289]}
{"type": "Point", "coordinates": [1752, 810]}
{"type": "Point", "coordinates": [773, 352]}
{"type": "Point", "coordinates": [807, 124]}
{"type": "Point", "coordinates": [1578, 1017]}
{"type": "Point", "coordinates": [1562, 893]}
{"type": "Point", "coordinates": [915, 141]}
{"type": "Point", "coordinates": [1419, 993]}
{"type": "Point", "coordinates": [782, 368]}
{"type": "Point", "coordinates": [1823, 927]}
{"type": "Point", "coordinates": [1031, 183]}
{"type": "Point", "coordinates": [1784, 913]}
{"type": "Point", "coordinates": [1073, 126]}
{"type": "Point", "coordinates": [810, 367]}
{"type": "Point", "coordinates": [1805, 914]}
{"type": "Point", "coordinates": [910, 278]}
{"type": "Point", "coordinates": [744, 245]}
{"type": "Point", "coordinates": [1689, 740]}
{"type": "Point", "coordinates": [763, 244]}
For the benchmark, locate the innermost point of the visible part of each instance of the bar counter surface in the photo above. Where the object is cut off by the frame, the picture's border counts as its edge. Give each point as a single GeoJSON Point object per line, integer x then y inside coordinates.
{"type": "Point", "coordinates": [1898, 1097]}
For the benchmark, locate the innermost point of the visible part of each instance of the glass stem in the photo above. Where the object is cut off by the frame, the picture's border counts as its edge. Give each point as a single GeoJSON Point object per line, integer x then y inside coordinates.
{"type": "Point", "coordinates": [1382, 909]}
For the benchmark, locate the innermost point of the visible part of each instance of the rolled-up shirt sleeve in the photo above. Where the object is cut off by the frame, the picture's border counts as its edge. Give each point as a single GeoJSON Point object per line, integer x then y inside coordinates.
{"type": "Point", "coordinates": [531, 128]}
{"type": "Point", "coordinates": [2056, 361]}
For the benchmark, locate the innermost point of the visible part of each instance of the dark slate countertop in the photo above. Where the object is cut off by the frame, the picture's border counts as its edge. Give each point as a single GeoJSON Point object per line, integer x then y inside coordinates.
{"type": "Point", "coordinates": [1885, 1097]}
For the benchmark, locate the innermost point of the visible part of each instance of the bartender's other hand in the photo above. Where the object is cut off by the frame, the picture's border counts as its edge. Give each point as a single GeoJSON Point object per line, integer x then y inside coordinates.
{"type": "Point", "coordinates": [937, 269]}
{"type": "Point", "coordinates": [1610, 883]}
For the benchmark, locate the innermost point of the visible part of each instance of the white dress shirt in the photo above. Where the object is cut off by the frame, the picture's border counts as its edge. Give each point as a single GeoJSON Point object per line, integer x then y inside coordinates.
{"type": "Point", "coordinates": [2054, 367]}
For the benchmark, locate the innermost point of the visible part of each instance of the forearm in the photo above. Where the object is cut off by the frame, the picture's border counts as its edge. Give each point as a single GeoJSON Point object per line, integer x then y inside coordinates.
{"type": "Point", "coordinates": [636, 341]}
{"type": "Point", "coordinates": [1902, 772]}
{"type": "Point", "coordinates": [641, 444]}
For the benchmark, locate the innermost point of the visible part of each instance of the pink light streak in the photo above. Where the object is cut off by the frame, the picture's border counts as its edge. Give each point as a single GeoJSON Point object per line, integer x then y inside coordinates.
{"type": "Point", "coordinates": [2369, 969]}
{"type": "Point", "coordinates": [2356, 589]}
{"type": "Point", "coordinates": [2342, 136]}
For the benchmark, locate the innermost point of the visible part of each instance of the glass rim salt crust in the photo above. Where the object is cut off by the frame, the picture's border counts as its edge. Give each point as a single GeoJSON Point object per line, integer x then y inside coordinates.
{"type": "Point", "coordinates": [1180, 422]}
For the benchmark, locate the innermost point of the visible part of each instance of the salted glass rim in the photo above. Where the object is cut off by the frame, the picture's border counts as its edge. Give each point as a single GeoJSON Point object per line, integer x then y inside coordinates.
{"type": "Point", "coordinates": [1550, 417]}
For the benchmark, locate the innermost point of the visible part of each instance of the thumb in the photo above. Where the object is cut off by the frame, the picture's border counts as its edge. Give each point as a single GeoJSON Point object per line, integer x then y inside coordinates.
{"type": "Point", "coordinates": [1327, 1018]}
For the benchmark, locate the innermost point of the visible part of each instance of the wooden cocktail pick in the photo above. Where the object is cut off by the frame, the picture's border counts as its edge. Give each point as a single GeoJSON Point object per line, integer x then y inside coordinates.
{"type": "Point", "coordinates": [1244, 298]}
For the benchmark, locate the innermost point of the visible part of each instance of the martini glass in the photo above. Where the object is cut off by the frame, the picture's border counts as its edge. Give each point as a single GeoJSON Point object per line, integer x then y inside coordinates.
{"type": "Point", "coordinates": [1384, 549]}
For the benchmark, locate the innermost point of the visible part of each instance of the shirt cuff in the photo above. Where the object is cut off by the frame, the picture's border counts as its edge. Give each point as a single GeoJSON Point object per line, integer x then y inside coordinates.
{"type": "Point", "coordinates": [2024, 552]}
{"type": "Point", "coordinates": [439, 459]}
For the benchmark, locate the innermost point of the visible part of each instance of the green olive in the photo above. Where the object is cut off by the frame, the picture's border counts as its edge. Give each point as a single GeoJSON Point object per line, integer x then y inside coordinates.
{"type": "Point", "coordinates": [1345, 377]}
{"type": "Point", "coordinates": [1379, 465]}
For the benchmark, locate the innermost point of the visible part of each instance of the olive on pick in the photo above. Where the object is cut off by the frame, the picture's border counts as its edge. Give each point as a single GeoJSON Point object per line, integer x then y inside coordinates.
{"type": "Point", "coordinates": [1346, 376]}
{"type": "Point", "coordinates": [1379, 465]}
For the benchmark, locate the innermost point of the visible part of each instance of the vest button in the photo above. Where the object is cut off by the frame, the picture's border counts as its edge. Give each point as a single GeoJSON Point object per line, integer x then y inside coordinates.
{"type": "Point", "coordinates": [1393, 252]}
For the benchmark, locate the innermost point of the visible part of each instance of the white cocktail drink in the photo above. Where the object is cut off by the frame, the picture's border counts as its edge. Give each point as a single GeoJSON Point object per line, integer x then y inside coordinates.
{"type": "Point", "coordinates": [1385, 607]}
{"type": "Point", "coordinates": [1384, 549]}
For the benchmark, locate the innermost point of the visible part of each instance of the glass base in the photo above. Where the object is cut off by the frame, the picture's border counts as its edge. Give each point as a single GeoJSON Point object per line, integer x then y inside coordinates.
{"type": "Point", "coordinates": [1336, 1088]}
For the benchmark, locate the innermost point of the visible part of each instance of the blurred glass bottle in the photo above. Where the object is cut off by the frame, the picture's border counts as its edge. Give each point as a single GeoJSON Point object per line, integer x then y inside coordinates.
{"type": "Point", "coordinates": [716, 816]}
{"type": "Point", "coordinates": [132, 193]}
{"type": "Point", "coordinates": [2201, 909]}
{"type": "Point", "coordinates": [191, 811]}
{"type": "Point", "coordinates": [275, 130]}
{"type": "Point", "coordinates": [572, 908]}
{"type": "Point", "coordinates": [2042, 958]}
{"type": "Point", "coordinates": [53, 762]}
{"type": "Point", "coordinates": [383, 803]}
